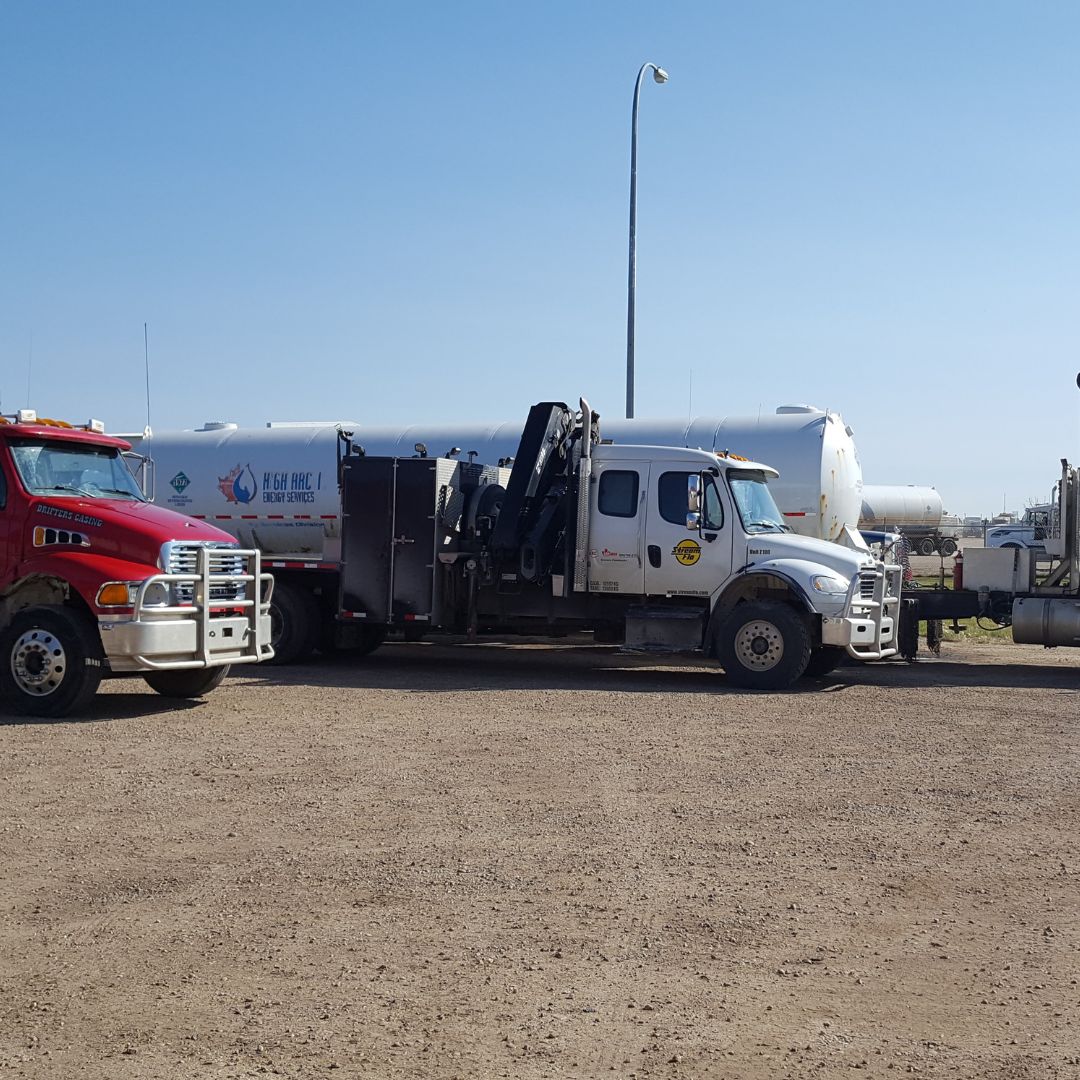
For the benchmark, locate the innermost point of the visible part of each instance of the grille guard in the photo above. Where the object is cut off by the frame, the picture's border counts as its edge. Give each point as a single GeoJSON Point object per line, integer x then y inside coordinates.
{"type": "Point", "coordinates": [254, 606]}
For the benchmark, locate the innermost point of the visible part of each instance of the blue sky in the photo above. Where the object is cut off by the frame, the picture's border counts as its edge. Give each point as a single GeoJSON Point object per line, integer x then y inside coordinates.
{"type": "Point", "coordinates": [407, 212]}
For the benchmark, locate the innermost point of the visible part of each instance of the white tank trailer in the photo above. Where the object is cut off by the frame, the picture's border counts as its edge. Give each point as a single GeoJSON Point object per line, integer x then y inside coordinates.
{"type": "Point", "coordinates": [916, 511]}
{"type": "Point", "coordinates": [275, 487]}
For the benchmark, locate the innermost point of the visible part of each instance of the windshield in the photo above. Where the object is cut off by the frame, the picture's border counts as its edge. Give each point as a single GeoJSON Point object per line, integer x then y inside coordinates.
{"type": "Point", "coordinates": [755, 502]}
{"type": "Point", "coordinates": [63, 468]}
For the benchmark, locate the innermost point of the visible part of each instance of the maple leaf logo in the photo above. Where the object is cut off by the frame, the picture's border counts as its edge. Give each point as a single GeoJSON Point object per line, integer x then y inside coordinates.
{"type": "Point", "coordinates": [232, 487]}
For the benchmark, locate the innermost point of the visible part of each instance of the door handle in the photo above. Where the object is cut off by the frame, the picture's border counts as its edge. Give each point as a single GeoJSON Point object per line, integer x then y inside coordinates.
{"type": "Point", "coordinates": [654, 556]}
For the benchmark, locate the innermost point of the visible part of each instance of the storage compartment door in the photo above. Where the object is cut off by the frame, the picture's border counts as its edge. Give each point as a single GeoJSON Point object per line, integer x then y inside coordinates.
{"type": "Point", "coordinates": [367, 538]}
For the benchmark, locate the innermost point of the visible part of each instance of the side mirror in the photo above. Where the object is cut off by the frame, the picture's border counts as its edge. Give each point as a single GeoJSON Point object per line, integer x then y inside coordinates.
{"type": "Point", "coordinates": [693, 494]}
{"type": "Point", "coordinates": [142, 468]}
{"type": "Point", "coordinates": [693, 502]}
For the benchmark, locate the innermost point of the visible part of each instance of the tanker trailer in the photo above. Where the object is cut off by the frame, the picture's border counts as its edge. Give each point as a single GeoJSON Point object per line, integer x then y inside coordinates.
{"type": "Point", "coordinates": [913, 510]}
{"type": "Point", "coordinates": [275, 488]}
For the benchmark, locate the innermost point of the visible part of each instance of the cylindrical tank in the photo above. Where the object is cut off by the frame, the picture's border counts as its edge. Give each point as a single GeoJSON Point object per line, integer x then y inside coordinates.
{"type": "Point", "coordinates": [276, 487]}
{"type": "Point", "coordinates": [900, 504]}
{"type": "Point", "coordinates": [1041, 621]}
{"type": "Point", "coordinates": [820, 485]}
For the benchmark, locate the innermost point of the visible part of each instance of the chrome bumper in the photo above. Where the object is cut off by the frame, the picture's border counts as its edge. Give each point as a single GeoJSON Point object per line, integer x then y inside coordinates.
{"type": "Point", "coordinates": [206, 633]}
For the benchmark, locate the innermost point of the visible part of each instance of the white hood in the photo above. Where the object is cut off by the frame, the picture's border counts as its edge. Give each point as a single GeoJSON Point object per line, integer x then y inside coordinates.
{"type": "Point", "coordinates": [770, 548]}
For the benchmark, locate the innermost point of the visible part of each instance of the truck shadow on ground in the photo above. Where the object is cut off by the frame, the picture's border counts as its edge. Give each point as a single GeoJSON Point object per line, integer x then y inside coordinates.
{"type": "Point", "coordinates": [136, 703]}
{"type": "Point", "coordinates": [437, 668]}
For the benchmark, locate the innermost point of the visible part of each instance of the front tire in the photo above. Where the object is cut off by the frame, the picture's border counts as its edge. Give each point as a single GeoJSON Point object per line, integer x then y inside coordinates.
{"type": "Point", "coordinates": [50, 662]}
{"type": "Point", "coordinates": [187, 682]}
{"type": "Point", "coordinates": [825, 659]}
{"type": "Point", "coordinates": [294, 623]}
{"type": "Point", "coordinates": [764, 645]}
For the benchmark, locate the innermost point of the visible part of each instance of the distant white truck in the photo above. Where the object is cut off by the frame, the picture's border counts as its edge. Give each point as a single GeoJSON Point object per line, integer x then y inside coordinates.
{"type": "Point", "coordinates": [1029, 533]}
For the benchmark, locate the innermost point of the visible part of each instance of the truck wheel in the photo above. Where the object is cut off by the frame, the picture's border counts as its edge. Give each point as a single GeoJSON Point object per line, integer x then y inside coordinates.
{"type": "Point", "coordinates": [764, 645]}
{"type": "Point", "coordinates": [925, 546]}
{"type": "Point", "coordinates": [187, 682]}
{"type": "Point", "coordinates": [370, 639]}
{"type": "Point", "coordinates": [50, 661]}
{"type": "Point", "coordinates": [294, 623]}
{"type": "Point", "coordinates": [949, 547]}
{"type": "Point", "coordinates": [824, 659]}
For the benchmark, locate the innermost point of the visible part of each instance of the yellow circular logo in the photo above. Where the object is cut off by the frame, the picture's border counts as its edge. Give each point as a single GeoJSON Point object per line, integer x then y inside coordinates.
{"type": "Point", "coordinates": [687, 552]}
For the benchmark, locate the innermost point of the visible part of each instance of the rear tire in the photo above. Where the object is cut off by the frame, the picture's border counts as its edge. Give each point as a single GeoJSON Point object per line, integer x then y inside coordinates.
{"type": "Point", "coordinates": [187, 682]}
{"type": "Point", "coordinates": [294, 623]}
{"type": "Point", "coordinates": [925, 546]}
{"type": "Point", "coordinates": [824, 659]}
{"type": "Point", "coordinates": [949, 547]}
{"type": "Point", "coordinates": [51, 661]}
{"type": "Point", "coordinates": [764, 645]}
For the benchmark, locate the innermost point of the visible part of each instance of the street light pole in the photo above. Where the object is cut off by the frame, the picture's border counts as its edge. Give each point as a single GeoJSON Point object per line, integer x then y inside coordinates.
{"type": "Point", "coordinates": [660, 76]}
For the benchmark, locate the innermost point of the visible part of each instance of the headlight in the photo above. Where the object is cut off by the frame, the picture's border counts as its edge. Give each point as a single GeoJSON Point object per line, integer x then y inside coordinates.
{"type": "Point", "coordinates": [156, 595]}
{"type": "Point", "coordinates": [830, 585]}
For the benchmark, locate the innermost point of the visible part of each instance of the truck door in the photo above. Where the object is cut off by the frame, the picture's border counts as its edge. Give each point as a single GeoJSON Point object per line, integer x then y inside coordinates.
{"type": "Point", "coordinates": [681, 561]}
{"type": "Point", "coordinates": [617, 527]}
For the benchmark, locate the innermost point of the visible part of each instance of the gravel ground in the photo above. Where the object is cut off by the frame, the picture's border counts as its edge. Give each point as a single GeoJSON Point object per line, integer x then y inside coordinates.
{"type": "Point", "coordinates": [529, 861]}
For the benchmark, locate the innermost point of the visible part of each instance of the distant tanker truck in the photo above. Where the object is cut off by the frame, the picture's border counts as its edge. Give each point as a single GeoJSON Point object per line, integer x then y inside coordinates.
{"type": "Point", "coordinates": [915, 511]}
{"type": "Point", "coordinates": [276, 489]}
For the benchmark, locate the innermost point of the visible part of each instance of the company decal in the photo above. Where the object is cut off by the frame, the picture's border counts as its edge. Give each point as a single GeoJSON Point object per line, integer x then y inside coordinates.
{"type": "Point", "coordinates": [242, 486]}
{"type": "Point", "coordinates": [687, 552]}
{"type": "Point", "coordinates": [238, 485]}
{"type": "Point", "coordinates": [179, 482]}
{"type": "Point", "coordinates": [607, 555]}
{"type": "Point", "coordinates": [70, 515]}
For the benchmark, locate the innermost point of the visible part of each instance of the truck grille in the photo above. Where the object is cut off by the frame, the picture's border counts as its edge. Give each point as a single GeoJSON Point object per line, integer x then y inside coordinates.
{"type": "Point", "coordinates": [225, 561]}
{"type": "Point", "coordinates": [867, 583]}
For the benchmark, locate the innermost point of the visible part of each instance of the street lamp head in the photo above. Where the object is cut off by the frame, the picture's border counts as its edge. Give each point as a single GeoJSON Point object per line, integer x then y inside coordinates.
{"type": "Point", "coordinates": [659, 75]}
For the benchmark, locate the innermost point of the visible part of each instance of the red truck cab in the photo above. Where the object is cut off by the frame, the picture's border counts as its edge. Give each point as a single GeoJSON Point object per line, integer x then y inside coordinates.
{"type": "Point", "coordinates": [95, 580]}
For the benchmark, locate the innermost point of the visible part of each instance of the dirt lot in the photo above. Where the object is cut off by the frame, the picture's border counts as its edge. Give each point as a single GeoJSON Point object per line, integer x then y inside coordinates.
{"type": "Point", "coordinates": [536, 861]}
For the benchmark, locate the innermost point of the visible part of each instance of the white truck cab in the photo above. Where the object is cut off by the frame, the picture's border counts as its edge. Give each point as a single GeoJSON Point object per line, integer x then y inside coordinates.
{"type": "Point", "coordinates": [735, 550]}
{"type": "Point", "coordinates": [1029, 532]}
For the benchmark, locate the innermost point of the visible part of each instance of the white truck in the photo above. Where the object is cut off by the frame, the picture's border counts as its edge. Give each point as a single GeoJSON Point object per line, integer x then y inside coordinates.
{"type": "Point", "coordinates": [1028, 533]}
{"type": "Point", "coordinates": [661, 548]}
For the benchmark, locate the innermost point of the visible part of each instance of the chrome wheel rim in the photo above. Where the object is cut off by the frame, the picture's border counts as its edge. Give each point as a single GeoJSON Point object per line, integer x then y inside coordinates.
{"type": "Point", "coordinates": [38, 662]}
{"type": "Point", "coordinates": [759, 645]}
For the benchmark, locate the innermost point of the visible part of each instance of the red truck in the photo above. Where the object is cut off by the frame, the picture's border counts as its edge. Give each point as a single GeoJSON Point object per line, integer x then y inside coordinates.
{"type": "Point", "coordinates": [97, 581]}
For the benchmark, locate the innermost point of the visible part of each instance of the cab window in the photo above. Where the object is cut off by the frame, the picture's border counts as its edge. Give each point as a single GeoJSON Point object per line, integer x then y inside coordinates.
{"type": "Point", "coordinates": [618, 494]}
{"type": "Point", "coordinates": [671, 493]}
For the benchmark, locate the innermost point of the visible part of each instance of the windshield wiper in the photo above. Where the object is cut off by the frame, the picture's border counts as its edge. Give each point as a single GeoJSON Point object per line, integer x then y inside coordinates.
{"type": "Point", "coordinates": [121, 491]}
{"type": "Point", "coordinates": [69, 487]}
{"type": "Point", "coordinates": [767, 525]}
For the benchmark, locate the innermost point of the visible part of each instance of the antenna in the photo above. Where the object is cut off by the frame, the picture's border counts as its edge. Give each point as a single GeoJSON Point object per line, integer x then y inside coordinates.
{"type": "Point", "coordinates": [29, 369]}
{"type": "Point", "coordinates": [146, 359]}
{"type": "Point", "coordinates": [690, 402]}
